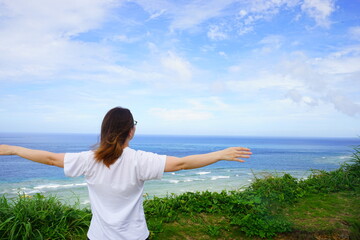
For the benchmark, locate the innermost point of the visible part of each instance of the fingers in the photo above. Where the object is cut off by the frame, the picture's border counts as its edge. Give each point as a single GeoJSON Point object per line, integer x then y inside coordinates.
{"type": "Point", "coordinates": [242, 148]}
{"type": "Point", "coordinates": [238, 160]}
{"type": "Point", "coordinates": [239, 153]}
{"type": "Point", "coordinates": [243, 153]}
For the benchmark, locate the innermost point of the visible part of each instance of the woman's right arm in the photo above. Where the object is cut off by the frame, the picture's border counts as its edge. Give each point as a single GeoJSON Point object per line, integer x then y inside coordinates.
{"type": "Point", "coordinates": [44, 157]}
{"type": "Point", "coordinates": [196, 161]}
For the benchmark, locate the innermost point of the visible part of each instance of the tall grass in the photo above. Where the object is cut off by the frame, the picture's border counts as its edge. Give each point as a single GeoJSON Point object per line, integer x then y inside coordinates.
{"type": "Point", "coordinates": [39, 217]}
{"type": "Point", "coordinates": [347, 177]}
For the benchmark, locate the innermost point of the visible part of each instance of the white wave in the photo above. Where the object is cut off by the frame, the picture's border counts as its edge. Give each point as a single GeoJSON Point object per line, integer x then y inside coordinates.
{"type": "Point", "coordinates": [219, 177]}
{"type": "Point", "coordinates": [17, 189]}
{"type": "Point", "coordinates": [32, 191]}
{"type": "Point", "coordinates": [173, 173]}
{"type": "Point", "coordinates": [333, 159]}
{"type": "Point", "coordinates": [22, 190]}
{"type": "Point", "coordinates": [174, 181]}
{"type": "Point", "coordinates": [52, 186]}
{"type": "Point", "coordinates": [48, 186]}
{"type": "Point", "coordinates": [188, 180]}
{"type": "Point", "coordinates": [203, 173]}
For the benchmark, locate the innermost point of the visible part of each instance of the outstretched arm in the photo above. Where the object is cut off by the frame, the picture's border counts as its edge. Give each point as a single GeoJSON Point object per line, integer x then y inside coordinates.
{"type": "Point", "coordinates": [196, 161]}
{"type": "Point", "coordinates": [44, 157]}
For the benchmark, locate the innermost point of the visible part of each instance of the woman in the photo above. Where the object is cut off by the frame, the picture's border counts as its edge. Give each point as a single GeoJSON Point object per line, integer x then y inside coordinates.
{"type": "Point", "coordinates": [115, 174]}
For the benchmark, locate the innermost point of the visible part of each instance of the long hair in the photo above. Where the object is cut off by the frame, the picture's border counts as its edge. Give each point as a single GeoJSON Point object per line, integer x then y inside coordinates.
{"type": "Point", "coordinates": [115, 130]}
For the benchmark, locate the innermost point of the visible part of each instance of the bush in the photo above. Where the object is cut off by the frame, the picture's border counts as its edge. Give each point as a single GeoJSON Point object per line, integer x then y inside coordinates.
{"type": "Point", "coordinates": [39, 217]}
{"type": "Point", "coordinates": [347, 177]}
{"type": "Point", "coordinates": [279, 190]}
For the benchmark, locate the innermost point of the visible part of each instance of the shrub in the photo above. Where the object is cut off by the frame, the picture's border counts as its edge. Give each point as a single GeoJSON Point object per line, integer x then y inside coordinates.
{"type": "Point", "coordinates": [39, 217]}
{"type": "Point", "coordinates": [347, 177]}
{"type": "Point", "coordinates": [281, 190]}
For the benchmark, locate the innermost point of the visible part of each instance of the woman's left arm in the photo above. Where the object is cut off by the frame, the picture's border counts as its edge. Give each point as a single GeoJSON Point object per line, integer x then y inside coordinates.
{"type": "Point", "coordinates": [44, 157]}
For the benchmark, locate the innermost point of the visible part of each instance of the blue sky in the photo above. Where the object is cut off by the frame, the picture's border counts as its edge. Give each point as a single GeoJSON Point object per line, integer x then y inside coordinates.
{"type": "Point", "coordinates": [223, 67]}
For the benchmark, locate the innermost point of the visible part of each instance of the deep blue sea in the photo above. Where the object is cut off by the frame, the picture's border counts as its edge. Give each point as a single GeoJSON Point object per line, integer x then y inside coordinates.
{"type": "Point", "coordinates": [297, 156]}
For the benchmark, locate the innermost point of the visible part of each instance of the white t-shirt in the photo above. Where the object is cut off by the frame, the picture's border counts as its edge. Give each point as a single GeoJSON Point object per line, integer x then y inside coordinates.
{"type": "Point", "coordinates": [116, 192]}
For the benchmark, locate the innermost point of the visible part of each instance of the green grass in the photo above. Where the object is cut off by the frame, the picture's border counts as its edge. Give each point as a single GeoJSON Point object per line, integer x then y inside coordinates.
{"type": "Point", "coordinates": [328, 212]}
{"type": "Point", "coordinates": [324, 206]}
{"type": "Point", "coordinates": [39, 217]}
{"type": "Point", "coordinates": [315, 216]}
{"type": "Point", "coordinates": [325, 211]}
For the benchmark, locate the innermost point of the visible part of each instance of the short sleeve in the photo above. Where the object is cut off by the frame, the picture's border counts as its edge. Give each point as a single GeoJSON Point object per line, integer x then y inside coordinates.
{"type": "Point", "coordinates": [150, 165]}
{"type": "Point", "coordinates": [75, 163]}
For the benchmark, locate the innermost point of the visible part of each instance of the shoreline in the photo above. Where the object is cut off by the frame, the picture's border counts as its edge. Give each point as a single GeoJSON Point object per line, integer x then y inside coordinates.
{"type": "Point", "coordinates": [71, 190]}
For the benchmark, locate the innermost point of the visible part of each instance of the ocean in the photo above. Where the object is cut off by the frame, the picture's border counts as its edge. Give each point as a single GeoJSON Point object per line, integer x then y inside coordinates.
{"type": "Point", "coordinates": [271, 155]}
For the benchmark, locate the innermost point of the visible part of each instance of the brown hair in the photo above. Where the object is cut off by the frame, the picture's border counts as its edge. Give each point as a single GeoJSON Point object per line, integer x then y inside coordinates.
{"type": "Point", "coordinates": [115, 129]}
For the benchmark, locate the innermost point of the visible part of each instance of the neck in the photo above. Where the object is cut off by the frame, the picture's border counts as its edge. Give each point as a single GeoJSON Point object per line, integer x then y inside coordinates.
{"type": "Point", "coordinates": [126, 144]}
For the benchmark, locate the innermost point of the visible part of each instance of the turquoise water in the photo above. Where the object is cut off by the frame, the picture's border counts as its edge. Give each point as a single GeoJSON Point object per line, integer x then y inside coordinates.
{"type": "Point", "coordinates": [296, 156]}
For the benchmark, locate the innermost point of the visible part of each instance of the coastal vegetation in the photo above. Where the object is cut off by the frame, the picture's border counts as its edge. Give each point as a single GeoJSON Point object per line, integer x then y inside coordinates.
{"type": "Point", "coordinates": [327, 203]}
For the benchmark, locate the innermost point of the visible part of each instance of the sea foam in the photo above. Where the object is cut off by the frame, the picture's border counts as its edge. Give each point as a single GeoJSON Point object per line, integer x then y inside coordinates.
{"type": "Point", "coordinates": [219, 177]}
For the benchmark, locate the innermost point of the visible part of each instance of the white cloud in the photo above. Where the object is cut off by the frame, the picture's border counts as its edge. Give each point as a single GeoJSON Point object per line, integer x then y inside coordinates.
{"type": "Point", "coordinates": [295, 96]}
{"type": "Point", "coordinates": [126, 39]}
{"type": "Point", "coordinates": [344, 104]}
{"type": "Point", "coordinates": [255, 11]}
{"type": "Point", "coordinates": [325, 80]}
{"type": "Point", "coordinates": [197, 109]}
{"type": "Point", "coordinates": [216, 32]}
{"type": "Point", "coordinates": [332, 80]}
{"type": "Point", "coordinates": [271, 43]}
{"type": "Point", "coordinates": [354, 32]}
{"type": "Point", "coordinates": [346, 51]}
{"type": "Point", "coordinates": [157, 14]}
{"type": "Point", "coordinates": [320, 10]}
{"type": "Point", "coordinates": [180, 114]}
{"type": "Point", "coordinates": [178, 67]}
{"type": "Point", "coordinates": [235, 68]}
{"type": "Point", "coordinates": [223, 54]}
{"type": "Point", "coordinates": [217, 102]}
{"type": "Point", "coordinates": [265, 80]}
{"type": "Point", "coordinates": [239, 17]}
{"type": "Point", "coordinates": [267, 7]}
{"type": "Point", "coordinates": [63, 17]}
{"type": "Point", "coordinates": [37, 37]}
{"type": "Point", "coordinates": [340, 66]}
{"type": "Point", "coordinates": [242, 13]}
{"type": "Point", "coordinates": [81, 45]}
{"type": "Point", "coordinates": [208, 104]}
{"type": "Point", "coordinates": [186, 15]}
{"type": "Point", "coordinates": [197, 12]}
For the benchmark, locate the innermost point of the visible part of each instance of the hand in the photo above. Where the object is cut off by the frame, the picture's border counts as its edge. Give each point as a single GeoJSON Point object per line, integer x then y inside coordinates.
{"type": "Point", "coordinates": [6, 150]}
{"type": "Point", "coordinates": [235, 154]}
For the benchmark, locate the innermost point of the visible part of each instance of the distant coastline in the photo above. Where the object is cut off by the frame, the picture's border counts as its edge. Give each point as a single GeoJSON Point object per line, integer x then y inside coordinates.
{"type": "Point", "coordinates": [190, 135]}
